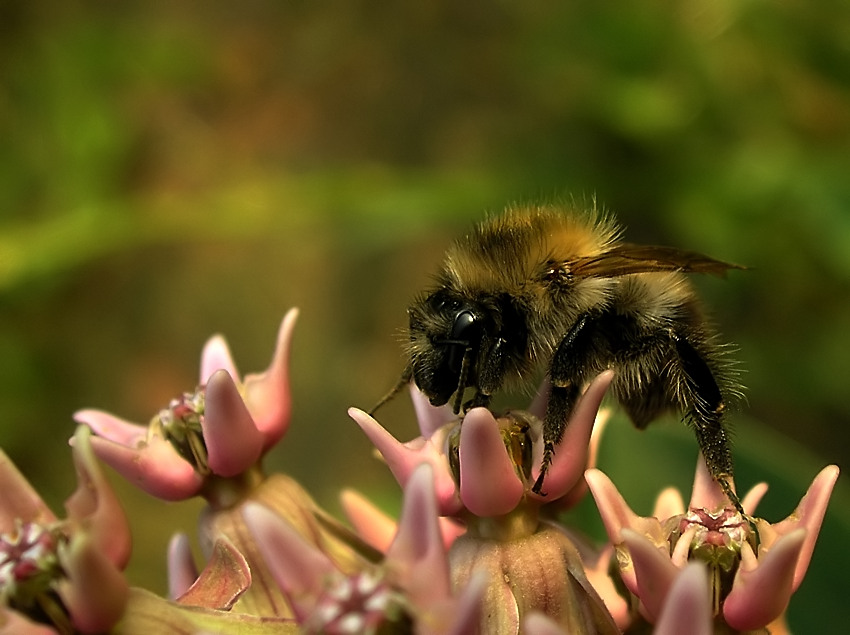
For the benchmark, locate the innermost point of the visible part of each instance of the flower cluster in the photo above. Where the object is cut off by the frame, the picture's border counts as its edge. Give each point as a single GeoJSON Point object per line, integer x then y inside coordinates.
{"type": "Point", "coordinates": [475, 550]}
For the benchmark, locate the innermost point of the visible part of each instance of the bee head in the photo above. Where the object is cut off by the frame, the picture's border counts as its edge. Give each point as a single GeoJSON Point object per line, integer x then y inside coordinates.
{"type": "Point", "coordinates": [446, 335]}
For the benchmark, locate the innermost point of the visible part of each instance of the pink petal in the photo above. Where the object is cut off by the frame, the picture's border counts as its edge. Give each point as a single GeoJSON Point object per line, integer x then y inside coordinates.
{"type": "Point", "coordinates": [682, 550]}
{"type": "Point", "coordinates": [489, 485]}
{"type": "Point", "coordinates": [759, 595]}
{"type": "Point", "coordinates": [753, 498]}
{"type": "Point", "coordinates": [536, 623]}
{"type": "Point", "coordinates": [809, 516]}
{"type": "Point", "coordinates": [668, 504]}
{"type": "Point", "coordinates": [571, 455]}
{"type": "Point", "coordinates": [538, 405]}
{"type": "Point", "coordinates": [378, 529]}
{"type": "Point", "coordinates": [430, 418]}
{"type": "Point", "coordinates": [95, 505]}
{"type": "Point", "coordinates": [706, 493]}
{"type": "Point", "coordinates": [654, 572]}
{"type": "Point", "coordinates": [94, 591]}
{"type": "Point", "coordinates": [14, 623]}
{"type": "Point", "coordinates": [267, 394]}
{"type": "Point", "coordinates": [371, 524]}
{"type": "Point", "coordinates": [417, 556]}
{"type": "Point", "coordinates": [688, 605]}
{"type": "Point", "coordinates": [466, 613]}
{"type": "Point", "coordinates": [617, 515]}
{"type": "Point", "coordinates": [600, 579]}
{"type": "Point", "coordinates": [18, 499]}
{"type": "Point", "coordinates": [111, 427]}
{"type": "Point", "coordinates": [402, 459]}
{"type": "Point", "coordinates": [603, 416]}
{"type": "Point", "coordinates": [216, 356]}
{"type": "Point", "coordinates": [156, 467]}
{"type": "Point", "coordinates": [299, 569]}
{"type": "Point", "coordinates": [182, 571]}
{"type": "Point", "coordinates": [233, 442]}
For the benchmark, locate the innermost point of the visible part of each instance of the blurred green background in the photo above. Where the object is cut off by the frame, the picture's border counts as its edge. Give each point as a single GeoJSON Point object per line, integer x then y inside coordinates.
{"type": "Point", "coordinates": [173, 170]}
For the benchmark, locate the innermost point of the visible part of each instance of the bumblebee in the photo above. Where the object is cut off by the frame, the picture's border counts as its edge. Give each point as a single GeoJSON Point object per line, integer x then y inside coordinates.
{"type": "Point", "coordinates": [556, 286]}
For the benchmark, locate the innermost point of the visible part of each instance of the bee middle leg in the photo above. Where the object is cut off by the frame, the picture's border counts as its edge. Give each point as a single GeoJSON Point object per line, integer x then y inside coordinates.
{"type": "Point", "coordinates": [568, 372]}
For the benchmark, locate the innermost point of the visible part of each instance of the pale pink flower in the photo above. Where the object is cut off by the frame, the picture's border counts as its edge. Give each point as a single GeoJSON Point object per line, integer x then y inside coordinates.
{"type": "Point", "coordinates": [653, 550]}
{"type": "Point", "coordinates": [484, 469]}
{"type": "Point", "coordinates": [220, 430]}
{"type": "Point", "coordinates": [410, 588]}
{"type": "Point", "coordinates": [494, 461]}
{"type": "Point", "coordinates": [80, 558]}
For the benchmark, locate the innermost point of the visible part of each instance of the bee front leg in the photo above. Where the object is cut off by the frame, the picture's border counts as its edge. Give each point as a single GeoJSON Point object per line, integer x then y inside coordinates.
{"type": "Point", "coordinates": [490, 376]}
{"type": "Point", "coordinates": [567, 374]}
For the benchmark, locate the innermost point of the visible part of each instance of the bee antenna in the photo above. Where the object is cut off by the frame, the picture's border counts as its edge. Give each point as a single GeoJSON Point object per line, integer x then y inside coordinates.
{"type": "Point", "coordinates": [402, 382]}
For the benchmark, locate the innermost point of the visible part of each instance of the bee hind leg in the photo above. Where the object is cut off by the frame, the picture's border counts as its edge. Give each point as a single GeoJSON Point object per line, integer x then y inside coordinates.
{"type": "Point", "coordinates": [702, 401]}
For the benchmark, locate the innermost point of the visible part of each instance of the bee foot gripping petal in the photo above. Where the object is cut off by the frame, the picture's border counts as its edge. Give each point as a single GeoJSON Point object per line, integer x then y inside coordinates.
{"type": "Point", "coordinates": [562, 466]}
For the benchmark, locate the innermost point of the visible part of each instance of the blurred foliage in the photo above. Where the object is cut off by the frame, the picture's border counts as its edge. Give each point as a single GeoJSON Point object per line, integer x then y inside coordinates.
{"type": "Point", "coordinates": [174, 170]}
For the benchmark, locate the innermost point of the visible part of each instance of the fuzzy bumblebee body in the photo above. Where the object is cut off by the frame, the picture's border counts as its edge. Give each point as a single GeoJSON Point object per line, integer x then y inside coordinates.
{"type": "Point", "coordinates": [551, 285]}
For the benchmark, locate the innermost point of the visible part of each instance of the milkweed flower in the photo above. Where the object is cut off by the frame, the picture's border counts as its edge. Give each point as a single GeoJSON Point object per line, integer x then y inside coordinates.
{"type": "Point", "coordinates": [409, 590]}
{"type": "Point", "coordinates": [752, 576]}
{"type": "Point", "coordinates": [483, 471]}
{"type": "Point", "coordinates": [497, 480]}
{"type": "Point", "coordinates": [63, 572]}
{"type": "Point", "coordinates": [210, 442]}
{"type": "Point", "coordinates": [218, 431]}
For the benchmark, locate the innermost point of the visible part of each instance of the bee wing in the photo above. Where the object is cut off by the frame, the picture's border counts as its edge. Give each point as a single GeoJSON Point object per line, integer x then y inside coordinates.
{"type": "Point", "coordinates": [627, 258]}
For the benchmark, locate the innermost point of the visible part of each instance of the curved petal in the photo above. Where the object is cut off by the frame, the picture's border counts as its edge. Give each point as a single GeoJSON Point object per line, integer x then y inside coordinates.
{"type": "Point", "coordinates": [571, 454]}
{"type": "Point", "coordinates": [654, 572]}
{"type": "Point", "coordinates": [233, 442]}
{"type": "Point", "coordinates": [489, 485]}
{"type": "Point", "coordinates": [94, 591]}
{"type": "Point", "coordinates": [707, 493]}
{"type": "Point", "coordinates": [156, 468]}
{"type": "Point", "coordinates": [402, 459]}
{"type": "Point", "coordinates": [417, 557]}
{"type": "Point", "coordinates": [14, 623]}
{"type": "Point", "coordinates": [216, 356]}
{"type": "Point", "coordinates": [182, 571]}
{"type": "Point", "coordinates": [688, 605]}
{"type": "Point", "coordinates": [600, 579]}
{"type": "Point", "coordinates": [466, 611]}
{"type": "Point", "coordinates": [753, 497]}
{"type": "Point", "coordinates": [538, 405]}
{"type": "Point", "coordinates": [759, 595]}
{"type": "Point", "coordinates": [267, 394]}
{"type": "Point", "coordinates": [111, 427]}
{"type": "Point", "coordinates": [371, 524]}
{"type": "Point", "coordinates": [299, 569]}
{"type": "Point", "coordinates": [536, 623]}
{"type": "Point", "coordinates": [809, 516]}
{"type": "Point", "coordinates": [616, 513]}
{"type": "Point", "coordinates": [430, 418]}
{"type": "Point", "coordinates": [18, 499]}
{"type": "Point", "coordinates": [95, 505]}
{"type": "Point", "coordinates": [669, 503]}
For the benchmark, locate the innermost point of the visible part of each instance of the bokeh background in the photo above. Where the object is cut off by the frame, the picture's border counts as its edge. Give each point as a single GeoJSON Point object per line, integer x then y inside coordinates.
{"type": "Point", "coordinates": [173, 170]}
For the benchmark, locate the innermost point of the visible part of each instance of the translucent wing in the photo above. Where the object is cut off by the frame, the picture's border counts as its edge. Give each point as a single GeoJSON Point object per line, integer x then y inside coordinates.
{"type": "Point", "coordinates": [627, 258]}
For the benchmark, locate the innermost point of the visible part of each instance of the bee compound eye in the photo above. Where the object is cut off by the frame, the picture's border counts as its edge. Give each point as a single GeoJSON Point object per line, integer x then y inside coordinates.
{"type": "Point", "coordinates": [465, 325]}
